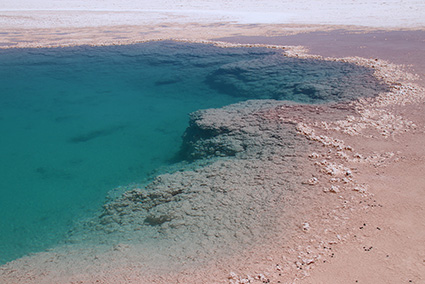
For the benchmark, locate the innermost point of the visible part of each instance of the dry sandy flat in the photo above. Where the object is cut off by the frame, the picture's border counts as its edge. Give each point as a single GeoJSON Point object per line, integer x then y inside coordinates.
{"type": "Point", "coordinates": [386, 243]}
{"type": "Point", "coordinates": [399, 256]}
{"type": "Point", "coordinates": [372, 231]}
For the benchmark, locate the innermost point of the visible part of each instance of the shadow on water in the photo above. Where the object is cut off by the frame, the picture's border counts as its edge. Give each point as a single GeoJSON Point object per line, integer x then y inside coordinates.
{"type": "Point", "coordinates": [53, 173]}
{"type": "Point", "coordinates": [85, 137]}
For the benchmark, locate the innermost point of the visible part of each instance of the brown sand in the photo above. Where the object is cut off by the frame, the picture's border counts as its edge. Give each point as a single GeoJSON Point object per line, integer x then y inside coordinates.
{"type": "Point", "coordinates": [366, 230]}
{"type": "Point", "coordinates": [386, 245]}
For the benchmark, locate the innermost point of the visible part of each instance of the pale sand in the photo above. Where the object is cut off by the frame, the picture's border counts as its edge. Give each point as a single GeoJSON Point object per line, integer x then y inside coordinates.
{"type": "Point", "coordinates": [374, 234]}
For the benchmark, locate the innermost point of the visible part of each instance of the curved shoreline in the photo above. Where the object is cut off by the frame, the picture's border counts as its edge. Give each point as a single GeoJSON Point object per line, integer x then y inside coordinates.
{"type": "Point", "coordinates": [374, 120]}
{"type": "Point", "coordinates": [130, 34]}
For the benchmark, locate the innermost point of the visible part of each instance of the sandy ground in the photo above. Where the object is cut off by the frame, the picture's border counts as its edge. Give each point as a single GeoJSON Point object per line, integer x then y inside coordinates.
{"type": "Point", "coordinates": [367, 231]}
{"type": "Point", "coordinates": [396, 230]}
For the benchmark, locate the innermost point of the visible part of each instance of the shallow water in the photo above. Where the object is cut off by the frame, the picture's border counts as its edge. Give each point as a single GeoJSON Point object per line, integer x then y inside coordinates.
{"type": "Point", "coordinates": [77, 122]}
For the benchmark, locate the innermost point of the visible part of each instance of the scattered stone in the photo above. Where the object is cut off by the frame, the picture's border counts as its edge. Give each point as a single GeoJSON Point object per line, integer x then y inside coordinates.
{"type": "Point", "coordinates": [262, 278]}
{"type": "Point", "coordinates": [360, 189]}
{"type": "Point", "coordinates": [314, 155]}
{"type": "Point", "coordinates": [233, 276]}
{"type": "Point", "coordinates": [334, 180]}
{"type": "Point", "coordinates": [312, 181]}
{"type": "Point", "coordinates": [333, 189]}
{"type": "Point", "coordinates": [367, 248]}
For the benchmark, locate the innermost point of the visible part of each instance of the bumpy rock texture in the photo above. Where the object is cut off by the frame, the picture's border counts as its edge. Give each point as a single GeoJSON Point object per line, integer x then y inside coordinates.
{"type": "Point", "coordinates": [300, 80]}
{"type": "Point", "coordinates": [233, 194]}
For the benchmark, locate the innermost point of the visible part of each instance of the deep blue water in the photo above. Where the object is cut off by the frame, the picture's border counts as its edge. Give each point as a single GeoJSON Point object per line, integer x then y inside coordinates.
{"type": "Point", "coordinates": [76, 122]}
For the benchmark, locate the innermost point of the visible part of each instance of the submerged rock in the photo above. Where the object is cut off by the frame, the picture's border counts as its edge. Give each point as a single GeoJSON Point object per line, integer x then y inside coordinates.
{"type": "Point", "coordinates": [295, 79]}
{"type": "Point", "coordinates": [250, 163]}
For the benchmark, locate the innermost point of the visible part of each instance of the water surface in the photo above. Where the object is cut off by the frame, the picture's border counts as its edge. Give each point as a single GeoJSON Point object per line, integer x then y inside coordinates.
{"type": "Point", "coordinates": [76, 122]}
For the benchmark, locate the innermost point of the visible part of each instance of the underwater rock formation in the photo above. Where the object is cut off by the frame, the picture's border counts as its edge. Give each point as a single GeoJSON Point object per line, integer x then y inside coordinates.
{"type": "Point", "coordinates": [295, 79]}
{"type": "Point", "coordinates": [229, 197]}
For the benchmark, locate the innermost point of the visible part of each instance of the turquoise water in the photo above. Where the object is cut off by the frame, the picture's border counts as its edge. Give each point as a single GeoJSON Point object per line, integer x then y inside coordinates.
{"type": "Point", "coordinates": [76, 122]}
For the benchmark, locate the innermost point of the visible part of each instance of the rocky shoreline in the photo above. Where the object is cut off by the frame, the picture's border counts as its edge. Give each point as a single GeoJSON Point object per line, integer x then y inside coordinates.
{"type": "Point", "coordinates": [275, 198]}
